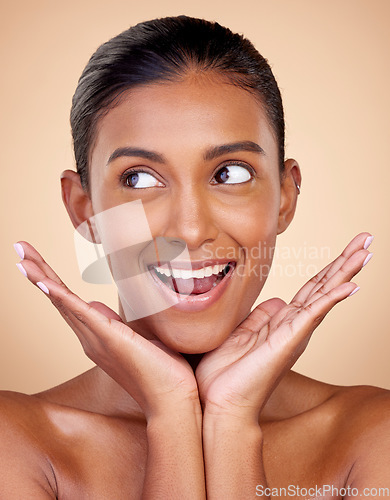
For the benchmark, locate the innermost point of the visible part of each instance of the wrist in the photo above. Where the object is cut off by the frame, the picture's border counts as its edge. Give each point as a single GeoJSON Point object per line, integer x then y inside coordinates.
{"type": "Point", "coordinates": [172, 415]}
{"type": "Point", "coordinates": [174, 405]}
{"type": "Point", "coordinates": [230, 417]}
{"type": "Point", "coordinates": [229, 421]}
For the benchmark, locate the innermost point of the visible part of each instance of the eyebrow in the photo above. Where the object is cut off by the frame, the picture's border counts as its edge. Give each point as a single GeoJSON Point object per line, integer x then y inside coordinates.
{"type": "Point", "coordinates": [233, 147]}
{"type": "Point", "coordinates": [211, 154]}
{"type": "Point", "coordinates": [138, 152]}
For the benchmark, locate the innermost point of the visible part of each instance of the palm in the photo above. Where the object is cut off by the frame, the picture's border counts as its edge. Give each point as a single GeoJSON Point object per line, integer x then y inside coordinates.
{"type": "Point", "coordinates": [246, 368]}
{"type": "Point", "coordinates": [222, 373]}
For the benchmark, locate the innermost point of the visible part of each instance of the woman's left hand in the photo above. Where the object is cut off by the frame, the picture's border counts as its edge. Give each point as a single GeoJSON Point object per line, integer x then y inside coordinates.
{"type": "Point", "coordinates": [237, 378]}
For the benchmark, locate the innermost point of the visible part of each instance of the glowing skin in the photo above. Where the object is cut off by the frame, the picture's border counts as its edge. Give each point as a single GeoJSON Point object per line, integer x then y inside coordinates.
{"type": "Point", "coordinates": [181, 122]}
{"type": "Point", "coordinates": [148, 423]}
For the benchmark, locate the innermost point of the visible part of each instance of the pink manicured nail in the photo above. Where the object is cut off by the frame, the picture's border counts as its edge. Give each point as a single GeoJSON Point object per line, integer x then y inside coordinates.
{"type": "Point", "coordinates": [354, 291]}
{"type": "Point", "coordinates": [367, 259]}
{"type": "Point", "coordinates": [19, 250]}
{"type": "Point", "coordinates": [368, 242]}
{"type": "Point", "coordinates": [43, 287]}
{"type": "Point", "coordinates": [21, 269]}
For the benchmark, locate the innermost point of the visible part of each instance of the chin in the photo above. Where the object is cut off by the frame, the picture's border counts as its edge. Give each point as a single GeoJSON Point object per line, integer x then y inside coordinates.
{"type": "Point", "coordinates": [194, 342]}
{"type": "Point", "coordinates": [191, 336]}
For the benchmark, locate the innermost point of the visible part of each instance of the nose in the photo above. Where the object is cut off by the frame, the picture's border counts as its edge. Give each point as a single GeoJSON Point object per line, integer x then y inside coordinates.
{"type": "Point", "coordinates": [192, 217]}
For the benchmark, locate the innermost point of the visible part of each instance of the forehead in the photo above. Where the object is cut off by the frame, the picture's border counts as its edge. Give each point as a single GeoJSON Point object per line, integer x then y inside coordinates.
{"type": "Point", "coordinates": [183, 118]}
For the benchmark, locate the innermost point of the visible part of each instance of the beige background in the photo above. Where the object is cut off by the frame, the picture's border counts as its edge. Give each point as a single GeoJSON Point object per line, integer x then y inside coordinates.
{"type": "Point", "coordinates": [331, 60]}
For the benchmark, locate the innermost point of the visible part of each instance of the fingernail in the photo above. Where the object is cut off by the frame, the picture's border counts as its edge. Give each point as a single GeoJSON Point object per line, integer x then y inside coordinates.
{"type": "Point", "coordinates": [354, 291]}
{"type": "Point", "coordinates": [19, 250]}
{"type": "Point", "coordinates": [367, 259]}
{"type": "Point", "coordinates": [21, 269]}
{"type": "Point", "coordinates": [43, 287]}
{"type": "Point", "coordinates": [368, 242]}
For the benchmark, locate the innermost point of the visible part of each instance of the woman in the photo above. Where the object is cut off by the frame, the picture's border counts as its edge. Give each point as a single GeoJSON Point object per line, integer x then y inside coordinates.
{"type": "Point", "coordinates": [196, 399]}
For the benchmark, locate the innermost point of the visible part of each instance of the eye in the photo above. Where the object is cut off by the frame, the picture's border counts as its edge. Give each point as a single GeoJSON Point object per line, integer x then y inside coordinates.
{"type": "Point", "coordinates": [138, 179]}
{"type": "Point", "coordinates": [233, 174]}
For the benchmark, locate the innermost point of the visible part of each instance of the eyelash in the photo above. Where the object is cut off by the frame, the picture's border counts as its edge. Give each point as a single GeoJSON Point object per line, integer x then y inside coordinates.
{"type": "Point", "coordinates": [123, 177]}
{"type": "Point", "coordinates": [239, 164]}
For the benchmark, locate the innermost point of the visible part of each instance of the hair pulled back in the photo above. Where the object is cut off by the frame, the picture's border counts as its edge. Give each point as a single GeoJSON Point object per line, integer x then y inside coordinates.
{"type": "Point", "coordinates": [161, 50]}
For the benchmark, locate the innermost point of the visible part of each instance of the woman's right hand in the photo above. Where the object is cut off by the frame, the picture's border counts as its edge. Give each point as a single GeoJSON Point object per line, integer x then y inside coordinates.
{"type": "Point", "coordinates": [159, 380]}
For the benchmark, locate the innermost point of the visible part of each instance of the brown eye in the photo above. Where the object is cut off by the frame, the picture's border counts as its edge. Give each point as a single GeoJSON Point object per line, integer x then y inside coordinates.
{"type": "Point", "coordinates": [139, 180]}
{"type": "Point", "coordinates": [232, 174]}
{"type": "Point", "coordinates": [132, 179]}
{"type": "Point", "coordinates": [222, 175]}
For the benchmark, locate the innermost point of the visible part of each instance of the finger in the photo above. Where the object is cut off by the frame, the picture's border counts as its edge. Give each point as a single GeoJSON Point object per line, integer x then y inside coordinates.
{"type": "Point", "coordinates": [301, 323]}
{"type": "Point", "coordinates": [37, 271]}
{"type": "Point", "coordinates": [28, 252]}
{"type": "Point", "coordinates": [347, 271]}
{"type": "Point", "coordinates": [97, 327]}
{"type": "Point", "coordinates": [77, 313]}
{"type": "Point", "coordinates": [43, 270]}
{"type": "Point", "coordinates": [361, 241]}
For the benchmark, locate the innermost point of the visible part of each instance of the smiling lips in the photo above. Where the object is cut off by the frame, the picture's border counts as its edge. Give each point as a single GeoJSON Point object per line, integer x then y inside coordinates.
{"type": "Point", "coordinates": [192, 281]}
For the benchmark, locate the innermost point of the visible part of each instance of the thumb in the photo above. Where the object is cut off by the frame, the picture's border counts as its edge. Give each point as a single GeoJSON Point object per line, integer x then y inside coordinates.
{"type": "Point", "coordinates": [262, 314]}
{"type": "Point", "coordinates": [271, 306]}
{"type": "Point", "coordinates": [103, 309]}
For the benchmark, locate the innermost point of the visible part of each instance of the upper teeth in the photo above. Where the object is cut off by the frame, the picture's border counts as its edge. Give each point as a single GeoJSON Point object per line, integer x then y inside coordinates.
{"type": "Point", "coordinates": [188, 273]}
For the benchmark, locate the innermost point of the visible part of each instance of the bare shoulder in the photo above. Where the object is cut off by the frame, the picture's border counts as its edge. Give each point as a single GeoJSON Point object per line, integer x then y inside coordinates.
{"type": "Point", "coordinates": [20, 419]}
{"type": "Point", "coordinates": [363, 427]}
{"type": "Point", "coordinates": [52, 445]}
{"type": "Point", "coordinates": [25, 469]}
{"type": "Point", "coordinates": [364, 411]}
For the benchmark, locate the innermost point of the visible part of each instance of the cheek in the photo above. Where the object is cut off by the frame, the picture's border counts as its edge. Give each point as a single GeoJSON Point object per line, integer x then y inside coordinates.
{"type": "Point", "coordinates": [255, 224]}
{"type": "Point", "coordinates": [256, 231]}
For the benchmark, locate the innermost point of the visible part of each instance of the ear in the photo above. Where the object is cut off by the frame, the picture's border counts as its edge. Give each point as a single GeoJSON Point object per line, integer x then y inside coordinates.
{"type": "Point", "coordinates": [78, 205]}
{"type": "Point", "coordinates": [289, 190]}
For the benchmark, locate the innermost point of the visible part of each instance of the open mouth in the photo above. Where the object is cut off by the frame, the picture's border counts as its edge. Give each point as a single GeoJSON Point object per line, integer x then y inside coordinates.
{"type": "Point", "coordinates": [192, 282]}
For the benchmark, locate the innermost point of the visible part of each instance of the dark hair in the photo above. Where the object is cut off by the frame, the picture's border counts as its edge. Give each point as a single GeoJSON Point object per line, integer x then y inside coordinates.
{"type": "Point", "coordinates": [166, 50]}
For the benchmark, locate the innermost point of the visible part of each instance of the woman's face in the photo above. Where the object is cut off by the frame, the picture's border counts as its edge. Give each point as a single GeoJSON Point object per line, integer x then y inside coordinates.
{"type": "Point", "coordinates": [209, 176]}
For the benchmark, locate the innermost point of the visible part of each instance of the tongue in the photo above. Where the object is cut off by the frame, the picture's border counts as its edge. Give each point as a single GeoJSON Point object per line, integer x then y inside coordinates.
{"type": "Point", "coordinates": [194, 286]}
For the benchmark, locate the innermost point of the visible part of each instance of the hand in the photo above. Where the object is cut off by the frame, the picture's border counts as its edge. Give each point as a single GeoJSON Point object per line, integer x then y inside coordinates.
{"type": "Point", "coordinates": [238, 377]}
{"type": "Point", "coordinates": [158, 379]}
